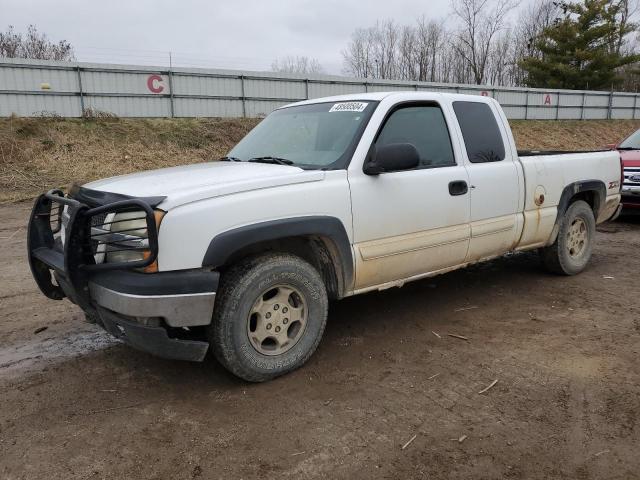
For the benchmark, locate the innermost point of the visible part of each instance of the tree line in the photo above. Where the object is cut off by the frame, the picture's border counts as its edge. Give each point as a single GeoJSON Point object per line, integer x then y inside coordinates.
{"type": "Point", "coordinates": [589, 44]}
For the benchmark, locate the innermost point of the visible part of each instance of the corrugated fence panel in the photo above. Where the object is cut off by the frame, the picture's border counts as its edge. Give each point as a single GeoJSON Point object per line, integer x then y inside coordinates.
{"type": "Point", "coordinates": [37, 105]}
{"type": "Point", "coordinates": [31, 87]}
{"type": "Point", "coordinates": [206, 85]}
{"type": "Point", "coordinates": [515, 113]}
{"type": "Point", "coordinates": [124, 82]}
{"type": "Point", "coordinates": [510, 97]}
{"type": "Point", "coordinates": [30, 79]}
{"type": "Point", "coordinates": [207, 107]}
{"type": "Point", "coordinates": [275, 89]}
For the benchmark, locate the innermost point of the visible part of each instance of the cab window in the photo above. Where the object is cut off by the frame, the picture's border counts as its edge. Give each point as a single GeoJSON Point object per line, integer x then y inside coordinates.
{"type": "Point", "coordinates": [480, 132]}
{"type": "Point", "coordinates": [425, 128]}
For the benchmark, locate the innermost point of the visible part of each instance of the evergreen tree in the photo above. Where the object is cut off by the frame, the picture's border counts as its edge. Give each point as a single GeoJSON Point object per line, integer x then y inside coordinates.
{"type": "Point", "coordinates": [582, 49]}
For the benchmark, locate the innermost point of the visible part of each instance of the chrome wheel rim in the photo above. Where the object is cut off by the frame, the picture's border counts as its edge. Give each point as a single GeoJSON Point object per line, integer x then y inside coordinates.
{"type": "Point", "coordinates": [277, 320]}
{"type": "Point", "coordinates": [577, 237]}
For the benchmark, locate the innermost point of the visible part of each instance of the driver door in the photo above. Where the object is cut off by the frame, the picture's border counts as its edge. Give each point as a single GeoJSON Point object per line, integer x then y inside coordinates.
{"type": "Point", "coordinates": [410, 223]}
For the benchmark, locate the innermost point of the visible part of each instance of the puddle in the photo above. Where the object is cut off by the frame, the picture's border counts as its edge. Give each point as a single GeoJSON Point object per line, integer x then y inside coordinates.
{"type": "Point", "coordinates": [43, 350]}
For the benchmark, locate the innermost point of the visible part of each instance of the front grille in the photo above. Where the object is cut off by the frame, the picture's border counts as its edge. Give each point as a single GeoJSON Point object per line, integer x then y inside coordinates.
{"type": "Point", "coordinates": [631, 177]}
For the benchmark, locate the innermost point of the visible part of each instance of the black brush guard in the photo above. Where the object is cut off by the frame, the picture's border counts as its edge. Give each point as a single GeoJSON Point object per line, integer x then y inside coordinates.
{"type": "Point", "coordinates": [72, 264]}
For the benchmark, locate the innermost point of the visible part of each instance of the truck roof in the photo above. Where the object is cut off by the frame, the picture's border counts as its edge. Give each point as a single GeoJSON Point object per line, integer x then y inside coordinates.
{"type": "Point", "coordinates": [379, 96]}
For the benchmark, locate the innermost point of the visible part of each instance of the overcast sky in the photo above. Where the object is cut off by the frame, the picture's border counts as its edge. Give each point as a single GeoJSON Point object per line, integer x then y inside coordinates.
{"type": "Point", "coordinates": [242, 34]}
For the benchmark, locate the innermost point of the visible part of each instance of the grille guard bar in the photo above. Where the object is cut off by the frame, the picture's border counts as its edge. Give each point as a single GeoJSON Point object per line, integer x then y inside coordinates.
{"type": "Point", "coordinates": [72, 264]}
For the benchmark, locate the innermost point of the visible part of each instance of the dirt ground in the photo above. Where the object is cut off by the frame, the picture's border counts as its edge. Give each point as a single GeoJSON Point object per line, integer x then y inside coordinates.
{"type": "Point", "coordinates": [75, 404]}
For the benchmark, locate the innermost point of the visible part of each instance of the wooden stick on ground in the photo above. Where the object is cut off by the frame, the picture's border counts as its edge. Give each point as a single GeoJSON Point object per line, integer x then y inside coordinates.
{"type": "Point", "coordinates": [458, 336]}
{"type": "Point", "coordinates": [486, 389]}
{"type": "Point", "coordinates": [409, 442]}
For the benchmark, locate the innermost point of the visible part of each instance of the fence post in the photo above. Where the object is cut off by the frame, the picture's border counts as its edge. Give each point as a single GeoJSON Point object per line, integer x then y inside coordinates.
{"type": "Point", "coordinates": [81, 92]}
{"type": "Point", "coordinates": [366, 87]}
{"type": "Point", "coordinates": [306, 88]}
{"type": "Point", "coordinates": [610, 105]}
{"type": "Point", "coordinates": [635, 104]}
{"type": "Point", "coordinates": [171, 93]}
{"type": "Point", "coordinates": [557, 105]}
{"type": "Point", "coordinates": [243, 98]}
{"type": "Point", "coordinates": [584, 102]}
{"type": "Point", "coordinates": [526, 106]}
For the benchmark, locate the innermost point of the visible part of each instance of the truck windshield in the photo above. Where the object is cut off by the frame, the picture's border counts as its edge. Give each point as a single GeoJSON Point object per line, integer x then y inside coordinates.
{"type": "Point", "coordinates": [315, 136]}
{"type": "Point", "coordinates": [632, 142]}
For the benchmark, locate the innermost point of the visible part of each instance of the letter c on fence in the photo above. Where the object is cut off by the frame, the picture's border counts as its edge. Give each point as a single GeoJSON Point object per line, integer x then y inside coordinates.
{"type": "Point", "coordinates": [154, 83]}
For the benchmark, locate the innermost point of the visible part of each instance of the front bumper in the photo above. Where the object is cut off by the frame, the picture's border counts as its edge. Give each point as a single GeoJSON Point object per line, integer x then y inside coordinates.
{"type": "Point", "coordinates": [153, 312]}
{"type": "Point", "coordinates": [182, 298]}
{"type": "Point", "coordinates": [631, 197]}
{"type": "Point", "coordinates": [152, 339]}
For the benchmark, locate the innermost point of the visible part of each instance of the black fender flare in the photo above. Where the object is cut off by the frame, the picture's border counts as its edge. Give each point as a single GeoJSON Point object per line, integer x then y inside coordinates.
{"type": "Point", "coordinates": [596, 186]}
{"type": "Point", "coordinates": [225, 244]}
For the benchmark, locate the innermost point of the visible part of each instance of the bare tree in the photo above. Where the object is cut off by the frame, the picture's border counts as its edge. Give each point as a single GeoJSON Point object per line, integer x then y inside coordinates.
{"type": "Point", "coordinates": [33, 45]}
{"type": "Point", "coordinates": [481, 21]}
{"type": "Point", "coordinates": [481, 48]}
{"type": "Point", "coordinates": [532, 21]}
{"type": "Point", "coordinates": [297, 64]}
{"type": "Point", "coordinates": [358, 56]}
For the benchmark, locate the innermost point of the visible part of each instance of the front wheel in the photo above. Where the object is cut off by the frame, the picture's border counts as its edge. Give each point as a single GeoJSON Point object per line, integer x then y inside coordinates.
{"type": "Point", "coordinates": [269, 316]}
{"type": "Point", "coordinates": [571, 251]}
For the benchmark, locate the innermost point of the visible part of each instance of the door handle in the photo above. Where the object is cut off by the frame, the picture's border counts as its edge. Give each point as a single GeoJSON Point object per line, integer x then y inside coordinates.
{"type": "Point", "coordinates": [458, 187]}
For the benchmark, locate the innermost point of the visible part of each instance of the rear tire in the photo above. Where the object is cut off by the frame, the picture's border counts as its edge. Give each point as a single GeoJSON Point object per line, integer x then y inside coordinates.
{"type": "Point", "coordinates": [269, 316]}
{"type": "Point", "coordinates": [571, 251]}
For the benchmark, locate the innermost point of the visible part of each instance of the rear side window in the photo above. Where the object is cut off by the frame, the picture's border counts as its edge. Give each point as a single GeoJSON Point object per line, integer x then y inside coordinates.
{"type": "Point", "coordinates": [424, 127]}
{"type": "Point", "coordinates": [480, 131]}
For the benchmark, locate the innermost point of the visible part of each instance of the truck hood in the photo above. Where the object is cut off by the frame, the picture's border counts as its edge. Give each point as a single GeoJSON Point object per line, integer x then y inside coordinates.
{"type": "Point", "coordinates": [190, 183]}
{"type": "Point", "coordinates": [630, 158]}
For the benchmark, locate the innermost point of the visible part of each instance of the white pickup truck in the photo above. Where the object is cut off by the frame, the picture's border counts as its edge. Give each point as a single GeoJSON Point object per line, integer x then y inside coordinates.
{"type": "Point", "coordinates": [324, 199]}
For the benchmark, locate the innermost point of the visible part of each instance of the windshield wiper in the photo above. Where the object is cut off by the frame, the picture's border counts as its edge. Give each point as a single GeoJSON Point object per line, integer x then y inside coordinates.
{"type": "Point", "coordinates": [627, 148]}
{"type": "Point", "coordinates": [229, 159]}
{"type": "Point", "coordinates": [269, 159]}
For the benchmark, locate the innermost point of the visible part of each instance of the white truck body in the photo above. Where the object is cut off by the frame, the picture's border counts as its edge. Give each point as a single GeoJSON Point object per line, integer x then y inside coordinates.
{"type": "Point", "coordinates": [386, 188]}
{"type": "Point", "coordinates": [395, 232]}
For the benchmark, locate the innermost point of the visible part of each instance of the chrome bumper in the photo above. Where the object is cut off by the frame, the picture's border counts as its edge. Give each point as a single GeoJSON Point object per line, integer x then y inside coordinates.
{"type": "Point", "coordinates": [178, 310]}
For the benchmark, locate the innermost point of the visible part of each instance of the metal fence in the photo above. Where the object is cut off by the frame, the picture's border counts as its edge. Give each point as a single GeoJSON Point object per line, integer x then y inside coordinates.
{"type": "Point", "coordinates": [69, 89]}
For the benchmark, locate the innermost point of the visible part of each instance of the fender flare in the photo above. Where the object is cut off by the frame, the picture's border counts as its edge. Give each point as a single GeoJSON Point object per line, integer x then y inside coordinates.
{"type": "Point", "coordinates": [570, 191]}
{"type": "Point", "coordinates": [225, 244]}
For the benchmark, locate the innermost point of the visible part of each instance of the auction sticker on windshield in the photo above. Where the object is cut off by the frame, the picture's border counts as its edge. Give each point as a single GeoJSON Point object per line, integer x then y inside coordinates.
{"type": "Point", "coordinates": [349, 107]}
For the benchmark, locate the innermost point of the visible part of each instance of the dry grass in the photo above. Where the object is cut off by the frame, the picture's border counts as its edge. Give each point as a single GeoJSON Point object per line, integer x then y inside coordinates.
{"type": "Point", "coordinates": [41, 153]}
{"type": "Point", "coordinates": [38, 154]}
{"type": "Point", "coordinates": [570, 134]}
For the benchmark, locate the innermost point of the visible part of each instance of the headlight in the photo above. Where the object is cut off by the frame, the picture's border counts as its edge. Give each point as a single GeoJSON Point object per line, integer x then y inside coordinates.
{"type": "Point", "coordinates": [129, 238]}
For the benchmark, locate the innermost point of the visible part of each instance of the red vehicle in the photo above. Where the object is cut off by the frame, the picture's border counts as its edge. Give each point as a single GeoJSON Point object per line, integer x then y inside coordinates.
{"type": "Point", "coordinates": [629, 150]}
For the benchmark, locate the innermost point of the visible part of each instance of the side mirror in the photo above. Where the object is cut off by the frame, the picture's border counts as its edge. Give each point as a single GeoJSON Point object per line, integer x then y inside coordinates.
{"type": "Point", "coordinates": [611, 146]}
{"type": "Point", "coordinates": [392, 158]}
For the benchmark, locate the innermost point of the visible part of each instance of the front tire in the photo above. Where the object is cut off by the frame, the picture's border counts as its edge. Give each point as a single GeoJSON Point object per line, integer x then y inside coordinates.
{"type": "Point", "coordinates": [571, 251]}
{"type": "Point", "coordinates": [269, 316]}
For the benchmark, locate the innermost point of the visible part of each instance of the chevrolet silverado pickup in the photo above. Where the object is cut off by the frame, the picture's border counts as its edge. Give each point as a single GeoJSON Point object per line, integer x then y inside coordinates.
{"type": "Point", "coordinates": [323, 199]}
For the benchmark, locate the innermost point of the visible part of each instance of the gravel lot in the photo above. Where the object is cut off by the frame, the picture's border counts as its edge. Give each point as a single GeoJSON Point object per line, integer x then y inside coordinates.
{"type": "Point", "coordinates": [76, 404]}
